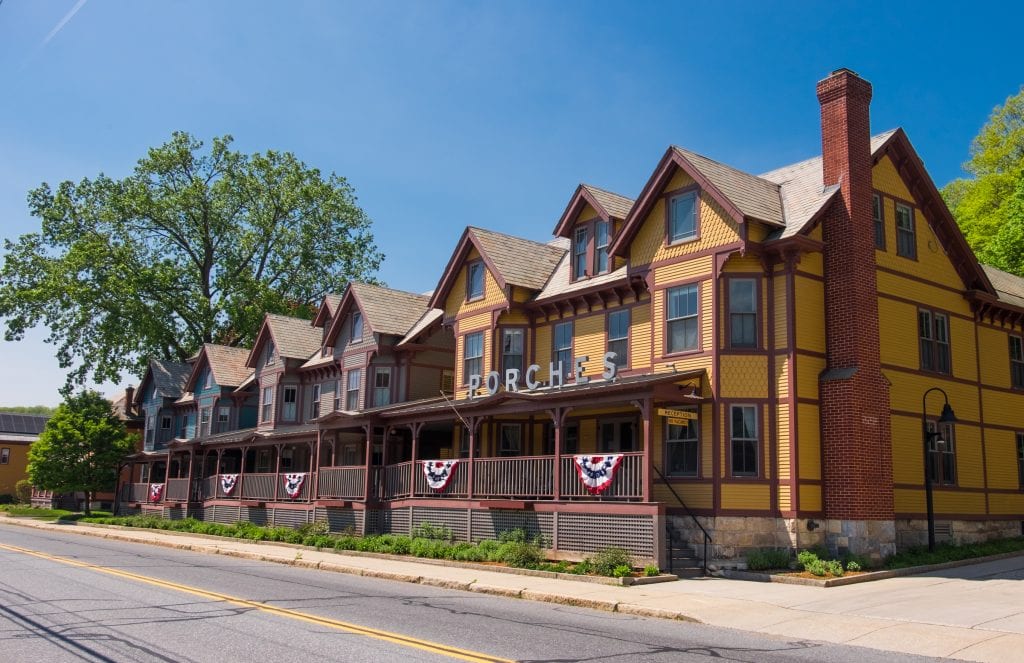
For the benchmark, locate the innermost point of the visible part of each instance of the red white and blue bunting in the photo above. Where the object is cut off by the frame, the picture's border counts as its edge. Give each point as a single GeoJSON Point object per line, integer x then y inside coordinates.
{"type": "Point", "coordinates": [228, 483]}
{"type": "Point", "coordinates": [439, 472]}
{"type": "Point", "coordinates": [293, 484]}
{"type": "Point", "coordinates": [597, 472]}
{"type": "Point", "coordinates": [156, 491]}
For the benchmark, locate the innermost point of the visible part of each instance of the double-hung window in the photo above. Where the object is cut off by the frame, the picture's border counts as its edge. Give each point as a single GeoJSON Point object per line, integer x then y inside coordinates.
{"type": "Point", "coordinates": [165, 423]}
{"type": "Point", "coordinates": [682, 217]}
{"type": "Point", "coordinates": [510, 443]}
{"type": "Point", "coordinates": [223, 417]}
{"type": "Point", "coordinates": [473, 356]}
{"type": "Point", "coordinates": [682, 445]}
{"type": "Point", "coordinates": [5, 456]}
{"type": "Point", "coordinates": [337, 395]}
{"type": "Point", "coordinates": [271, 354]}
{"type": "Point", "coordinates": [314, 402]}
{"type": "Point", "coordinates": [878, 215]}
{"type": "Point", "coordinates": [352, 395]}
{"type": "Point", "coordinates": [475, 280]}
{"type": "Point", "coordinates": [933, 332]}
{"type": "Point", "coordinates": [743, 313]}
{"type": "Point", "coordinates": [511, 350]}
{"type": "Point", "coordinates": [1017, 362]}
{"type": "Point", "coordinates": [681, 314]}
{"type": "Point", "coordinates": [356, 327]}
{"type": "Point", "coordinates": [602, 238]}
{"type": "Point", "coordinates": [616, 435]}
{"type": "Point", "coordinates": [563, 347]}
{"type": "Point", "coordinates": [204, 420]}
{"type": "Point", "coordinates": [579, 254]}
{"type": "Point", "coordinates": [268, 403]}
{"type": "Point", "coordinates": [743, 441]}
{"type": "Point", "coordinates": [289, 397]}
{"type": "Point", "coordinates": [382, 385]}
{"type": "Point", "coordinates": [570, 439]}
{"type": "Point", "coordinates": [942, 452]}
{"type": "Point", "coordinates": [1020, 460]}
{"type": "Point", "coordinates": [906, 241]}
{"type": "Point", "coordinates": [618, 336]}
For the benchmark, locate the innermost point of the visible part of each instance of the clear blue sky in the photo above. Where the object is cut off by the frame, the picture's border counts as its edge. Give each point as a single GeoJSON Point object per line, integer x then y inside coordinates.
{"type": "Point", "coordinates": [445, 114]}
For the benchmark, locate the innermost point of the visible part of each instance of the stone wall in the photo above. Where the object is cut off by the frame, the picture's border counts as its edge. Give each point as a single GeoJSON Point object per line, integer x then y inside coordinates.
{"type": "Point", "coordinates": [911, 533]}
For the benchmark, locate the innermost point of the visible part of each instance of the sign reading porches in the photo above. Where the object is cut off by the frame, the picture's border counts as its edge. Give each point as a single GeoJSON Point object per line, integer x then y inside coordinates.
{"type": "Point", "coordinates": [493, 384]}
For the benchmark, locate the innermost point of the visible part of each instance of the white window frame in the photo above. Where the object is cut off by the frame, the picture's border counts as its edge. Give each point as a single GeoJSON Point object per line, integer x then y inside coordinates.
{"type": "Point", "coordinates": [380, 389]}
{"type": "Point", "coordinates": [352, 391]}
{"type": "Point", "coordinates": [314, 402]}
{"type": "Point", "coordinates": [289, 409]}
{"type": "Point", "coordinates": [735, 438]}
{"type": "Point", "coordinates": [677, 230]}
{"type": "Point", "coordinates": [615, 341]}
{"type": "Point", "coordinates": [267, 410]}
{"type": "Point", "coordinates": [684, 318]}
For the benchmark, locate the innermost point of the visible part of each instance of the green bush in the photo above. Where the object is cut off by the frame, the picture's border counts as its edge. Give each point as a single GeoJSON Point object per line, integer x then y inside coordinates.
{"type": "Point", "coordinates": [805, 557]}
{"type": "Point", "coordinates": [316, 528]}
{"type": "Point", "coordinates": [652, 570]}
{"type": "Point", "coordinates": [517, 535]}
{"type": "Point", "coordinates": [816, 567]}
{"type": "Point", "coordinates": [853, 566]}
{"type": "Point", "coordinates": [835, 567]}
{"type": "Point", "coordinates": [521, 554]}
{"type": "Point", "coordinates": [429, 531]}
{"type": "Point", "coordinates": [607, 560]}
{"type": "Point", "coordinates": [621, 571]}
{"type": "Point", "coordinates": [23, 491]}
{"type": "Point", "coordinates": [767, 558]}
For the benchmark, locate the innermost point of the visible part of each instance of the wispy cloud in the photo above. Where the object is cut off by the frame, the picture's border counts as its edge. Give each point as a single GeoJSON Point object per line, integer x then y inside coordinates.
{"type": "Point", "coordinates": [64, 21]}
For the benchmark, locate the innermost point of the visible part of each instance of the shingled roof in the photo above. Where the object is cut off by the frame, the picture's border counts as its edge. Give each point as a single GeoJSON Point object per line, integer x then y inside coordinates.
{"type": "Point", "coordinates": [617, 206]}
{"type": "Point", "coordinates": [755, 197]}
{"type": "Point", "coordinates": [227, 364]}
{"type": "Point", "coordinates": [294, 338]}
{"type": "Point", "coordinates": [521, 262]}
{"type": "Point", "coordinates": [169, 378]}
{"type": "Point", "coordinates": [1009, 287]}
{"type": "Point", "coordinates": [389, 311]}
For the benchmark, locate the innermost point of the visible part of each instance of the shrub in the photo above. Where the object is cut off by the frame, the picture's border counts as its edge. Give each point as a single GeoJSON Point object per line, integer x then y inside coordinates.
{"type": "Point", "coordinates": [805, 557]}
{"type": "Point", "coordinates": [346, 542]}
{"type": "Point", "coordinates": [607, 560]}
{"type": "Point", "coordinates": [621, 571]}
{"type": "Point", "coordinates": [315, 528]}
{"type": "Point", "coordinates": [23, 491]}
{"type": "Point", "coordinates": [767, 558]}
{"type": "Point", "coordinates": [651, 570]}
{"type": "Point", "coordinates": [816, 567]}
{"type": "Point", "coordinates": [521, 554]}
{"type": "Point", "coordinates": [853, 566]}
{"type": "Point", "coordinates": [517, 535]}
{"type": "Point", "coordinates": [835, 567]}
{"type": "Point", "coordinates": [428, 531]}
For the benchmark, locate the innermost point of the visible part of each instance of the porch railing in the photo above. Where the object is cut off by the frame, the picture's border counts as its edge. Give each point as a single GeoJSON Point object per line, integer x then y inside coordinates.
{"type": "Point", "coordinates": [628, 482]}
{"type": "Point", "coordinates": [139, 492]}
{"type": "Point", "coordinates": [458, 485]}
{"type": "Point", "coordinates": [342, 482]}
{"type": "Point", "coordinates": [397, 480]}
{"type": "Point", "coordinates": [176, 490]}
{"type": "Point", "coordinates": [520, 477]}
{"type": "Point", "coordinates": [257, 486]}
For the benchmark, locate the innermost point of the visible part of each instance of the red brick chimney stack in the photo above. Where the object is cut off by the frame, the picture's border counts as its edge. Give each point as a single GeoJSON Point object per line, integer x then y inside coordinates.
{"type": "Point", "coordinates": [856, 438]}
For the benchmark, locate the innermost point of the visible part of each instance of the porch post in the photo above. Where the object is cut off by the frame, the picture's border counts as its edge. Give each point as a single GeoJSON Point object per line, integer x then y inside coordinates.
{"type": "Point", "coordinates": [472, 453]}
{"type": "Point", "coordinates": [277, 470]}
{"type": "Point", "coordinates": [315, 493]}
{"type": "Point", "coordinates": [368, 460]}
{"type": "Point", "coordinates": [415, 430]}
{"type": "Point", "coordinates": [310, 493]}
{"type": "Point", "coordinates": [558, 416]}
{"type": "Point", "coordinates": [648, 479]}
{"type": "Point", "coordinates": [188, 484]}
{"type": "Point", "coordinates": [241, 472]}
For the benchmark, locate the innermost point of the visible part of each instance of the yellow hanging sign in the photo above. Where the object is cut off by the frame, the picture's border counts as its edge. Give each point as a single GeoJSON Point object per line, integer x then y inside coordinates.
{"type": "Point", "coordinates": [688, 415]}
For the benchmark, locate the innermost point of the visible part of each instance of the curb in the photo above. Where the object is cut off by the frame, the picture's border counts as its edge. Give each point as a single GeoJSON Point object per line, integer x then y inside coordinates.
{"type": "Point", "coordinates": [506, 592]}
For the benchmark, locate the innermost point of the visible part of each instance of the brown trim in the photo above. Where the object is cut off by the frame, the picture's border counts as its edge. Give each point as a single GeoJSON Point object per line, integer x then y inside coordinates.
{"type": "Point", "coordinates": [709, 251]}
{"type": "Point", "coordinates": [959, 489]}
{"type": "Point", "coordinates": [875, 193]}
{"type": "Point", "coordinates": [668, 197]}
{"type": "Point", "coordinates": [917, 304]}
{"type": "Point", "coordinates": [698, 282]}
{"type": "Point", "coordinates": [628, 310]}
{"type": "Point", "coordinates": [471, 313]}
{"type": "Point", "coordinates": [932, 313]}
{"type": "Point", "coordinates": [580, 199]}
{"type": "Point", "coordinates": [759, 342]}
{"type": "Point", "coordinates": [759, 475]}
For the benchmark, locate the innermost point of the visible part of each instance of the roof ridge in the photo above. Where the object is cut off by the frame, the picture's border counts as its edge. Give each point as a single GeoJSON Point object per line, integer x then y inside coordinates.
{"type": "Point", "coordinates": [516, 237]}
{"type": "Point", "coordinates": [608, 191]}
{"type": "Point", "coordinates": [723, 164]}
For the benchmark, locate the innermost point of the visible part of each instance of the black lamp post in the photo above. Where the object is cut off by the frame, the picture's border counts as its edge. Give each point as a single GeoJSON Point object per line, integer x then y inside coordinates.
{"type": "Point", "coordinates": [947, 417]}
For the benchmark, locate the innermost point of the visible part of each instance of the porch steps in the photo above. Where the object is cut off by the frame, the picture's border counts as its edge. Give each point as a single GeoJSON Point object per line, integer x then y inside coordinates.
{"type": "Point", "coordinates": [685, 563]}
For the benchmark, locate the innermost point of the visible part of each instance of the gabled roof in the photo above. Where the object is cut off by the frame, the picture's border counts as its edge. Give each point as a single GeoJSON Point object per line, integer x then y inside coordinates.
{"type": "Point", "coordinates": [169, 378]}
{"type": "Point", "coordinates": [1009, 287]}
{"type": "Point", "coordinates": [328, 309]}
{"type": "Point", "coordinates": [608, 206]}
{"type": "Point", "coordinates": [427, 321]}
{"type": "Point", "coordinates": [294, 338]}
{"type": "Point", "coordinates": [511, 260]}
{"type": "Point", "coordinates": [226, 363]}
{"type": "Point", "coordinates": [389, 311]}
{"type": "Point", "coordinates": [560, 284]}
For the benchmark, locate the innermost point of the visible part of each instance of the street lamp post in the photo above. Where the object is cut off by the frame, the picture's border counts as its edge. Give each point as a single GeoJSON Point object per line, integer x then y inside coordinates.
{"type": "Point", "coordinates": [947, 417]}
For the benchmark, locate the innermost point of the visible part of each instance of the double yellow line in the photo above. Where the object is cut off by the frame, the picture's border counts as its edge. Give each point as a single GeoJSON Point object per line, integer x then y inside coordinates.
{"type": "Point", "coordinates": [387, 636]}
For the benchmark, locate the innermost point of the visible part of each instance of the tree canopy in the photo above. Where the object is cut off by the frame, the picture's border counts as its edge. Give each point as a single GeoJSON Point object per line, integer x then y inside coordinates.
{"type": "Point", "coordinates": [193, 247]}
{"type": "Point", "coordinates": [80, 447]}
{"type": "Point", "coordinates": [989, 206]}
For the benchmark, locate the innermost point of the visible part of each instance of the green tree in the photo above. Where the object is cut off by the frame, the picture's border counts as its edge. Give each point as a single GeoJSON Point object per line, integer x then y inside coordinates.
{"type": "Point", "coordinates": [80, 448]}
{"type": "Point", "coordinates": [989, 206]}
{"type": "Point", "coordinates": [193, 247]}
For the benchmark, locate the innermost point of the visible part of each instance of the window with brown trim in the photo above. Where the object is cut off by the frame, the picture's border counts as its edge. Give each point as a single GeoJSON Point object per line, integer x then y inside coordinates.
{"type": "Point", "coordinates": [1017, 362]}
{"type": "Point", "coordinates": [616, 435]}
{"type": "Point", "coordinates": [473, 356]}
{"type": "Point", "coordinates": [5, 456]}
{"type": "Point", "coordinates": [906, 238]}
{"type": "Point", "coordinates": [682, 217]}
{"type": "Point", "coordinates": [942, 453]}
{"type": "Point", "coordinates": [352, 394]}
{"type": "Point", "coordinates": [289, 398]}
{"type": "Point", "coordinates": [579, 253]}
{"type": "Point", "coordinates": [743, 441]}
{"type": "Point", "coordinates": [681, 319]}
{"type": "Point", "coordinates": [602, 238]}
{"type": "Point", "coordinates": [570, 439]}
{"type": "Point", "coordinates": [337, 395]}
{"type": "Point", "coordinates": [510, 440]}
{"type": "Point", "coordinates": [314, 402]}
{"type": "Point", "coordinates": [1020, 460]}
{"type": "Point", "coordinates": [268, 402]}
{"type": "Point", "coordinates": [878, 215]}
{"type": "Point", "coordinates": [618, 336]}
{"type": "Point", "coordinates": [511, 351]}
{"type": "Point", "coordinates": [933, 333]}
{"type": "Point", "coordinates": [562, 350]}
{"type": "Point", "coordinates": [474, 280]}
{"type": "Point", "coordinates": [682, 445]}
{"type": "Point", "coordinates": [382, 385]}
{"type": "Point", "coordinates": [743, 313]}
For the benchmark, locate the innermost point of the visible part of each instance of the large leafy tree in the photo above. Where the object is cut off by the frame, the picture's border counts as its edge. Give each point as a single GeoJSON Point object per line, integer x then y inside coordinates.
{"type": "Point", "coordinates": [989, 206]}
{"type": "Point", "coordinates": [193, 247]}
{"type": "Point", "coordinates": [80, 448]}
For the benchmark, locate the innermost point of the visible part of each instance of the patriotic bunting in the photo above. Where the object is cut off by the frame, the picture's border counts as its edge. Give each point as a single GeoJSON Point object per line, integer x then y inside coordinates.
{"type": "Point", "coordinates": [228, 483]}
{"type": "Point", "coordinates": [439, 472]}
{"type": "Point", "coordinates": [156, 491]}
{"type": "Point", "coordinates": [293, 484]}
{"type": "Point", "coordinates": [597, 472]}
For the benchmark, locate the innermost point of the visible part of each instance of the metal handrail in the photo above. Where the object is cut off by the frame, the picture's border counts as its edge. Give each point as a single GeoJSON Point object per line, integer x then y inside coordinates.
{"type": "Point", "coordinates": [707, 537]}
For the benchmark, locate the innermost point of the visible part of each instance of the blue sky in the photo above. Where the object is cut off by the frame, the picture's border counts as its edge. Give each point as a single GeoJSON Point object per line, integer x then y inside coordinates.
{"type": "Point", "coordinates": [447, 114]}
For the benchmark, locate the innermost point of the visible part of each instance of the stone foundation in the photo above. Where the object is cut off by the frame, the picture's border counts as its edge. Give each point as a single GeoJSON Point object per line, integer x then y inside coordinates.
{"type": "Point", "coordinates": [910, 533]}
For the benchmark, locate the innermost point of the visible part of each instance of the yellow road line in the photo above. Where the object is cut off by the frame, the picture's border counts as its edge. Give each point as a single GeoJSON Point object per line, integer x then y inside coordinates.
{"type": "Point", "coordinates": [387, 636]}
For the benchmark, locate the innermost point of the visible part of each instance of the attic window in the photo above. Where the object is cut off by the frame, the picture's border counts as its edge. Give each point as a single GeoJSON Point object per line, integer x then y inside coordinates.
{"type": "Point", "coordinates": [475, 280]}
{"type": "Point", "coordinates": [579, 254]}
{"type": "Point", "coordinates": [270, 353]}
{"type": "Point", "coordinates": [601, 240]}
{"type": "Point", "coordinates": [357, 327]}
{"type": "Point", "coordinates": [682, 217]}
{"type": "Point", "coordinates": [209, 379]}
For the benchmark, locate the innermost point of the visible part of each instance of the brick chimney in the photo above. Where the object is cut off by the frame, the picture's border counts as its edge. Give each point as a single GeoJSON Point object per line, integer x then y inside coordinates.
{"type": "Point", "coordinates": [856, 437]}
{"type": "Point", "coordinates": [129, 397]}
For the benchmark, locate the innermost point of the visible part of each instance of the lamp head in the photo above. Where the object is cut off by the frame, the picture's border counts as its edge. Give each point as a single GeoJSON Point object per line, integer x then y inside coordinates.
{"type": "Point", "coordinates": [947, 416]}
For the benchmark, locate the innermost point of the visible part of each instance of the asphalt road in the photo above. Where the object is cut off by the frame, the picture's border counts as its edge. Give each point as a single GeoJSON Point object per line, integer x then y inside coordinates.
{"type": "Point", "coordinates": [66, 597]}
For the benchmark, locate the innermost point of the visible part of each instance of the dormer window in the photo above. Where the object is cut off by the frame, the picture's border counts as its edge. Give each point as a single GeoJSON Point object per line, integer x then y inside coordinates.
{"type": "Point", "coordinates": [271, 358]}
{"type": "Point", "coordinates": [326, 350]}
{"type": "Point", "coordinates": [356, 334]}
{"type": "Point", "coordinates": [601, 240]}
{"type": "Point", "coordinates": [682, 217]}
{"type": "Point", "coordinates": [579, 254]}
{"type": "Point", "coordinates": [475, 281]}
{"type": "Point", "coordinates": [209, 379]}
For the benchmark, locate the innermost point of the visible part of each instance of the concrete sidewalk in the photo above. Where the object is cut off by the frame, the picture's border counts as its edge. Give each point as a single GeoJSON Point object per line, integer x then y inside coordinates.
{"type": "Point", "coordinates": [973, 612]}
